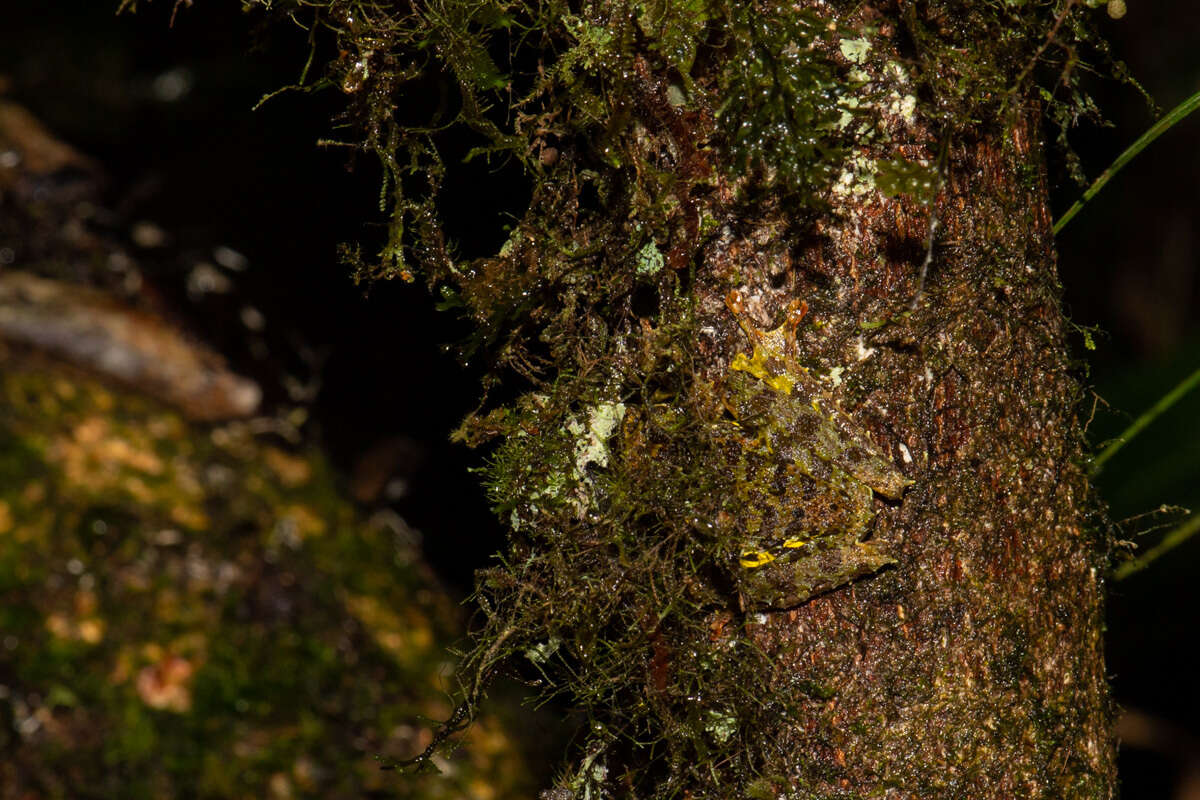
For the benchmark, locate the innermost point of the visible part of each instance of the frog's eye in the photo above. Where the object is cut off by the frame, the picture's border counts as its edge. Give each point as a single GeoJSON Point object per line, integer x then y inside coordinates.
{"type": "Point", "coordinates": [796, 312]}
{"type": "Point", "coordinates": [1116, 8]}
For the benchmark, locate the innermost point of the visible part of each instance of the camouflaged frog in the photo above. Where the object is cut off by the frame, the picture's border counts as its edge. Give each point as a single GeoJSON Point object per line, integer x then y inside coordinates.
{"type": "Point", "coordinates": [805, 477]}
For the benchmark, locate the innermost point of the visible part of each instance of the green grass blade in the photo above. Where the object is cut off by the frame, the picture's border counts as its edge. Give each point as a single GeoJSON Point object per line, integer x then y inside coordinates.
{"type": "Point", "coordinates": [1175, 115]}
{"type": "Point", "coordinates": [1149, 415]}
{"type": "Point", "coordinates": [1173, 539]}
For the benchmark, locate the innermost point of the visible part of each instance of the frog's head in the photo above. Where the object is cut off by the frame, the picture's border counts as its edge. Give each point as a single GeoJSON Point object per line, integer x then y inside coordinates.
{"type": "Point", "coordinates": [777, 343]}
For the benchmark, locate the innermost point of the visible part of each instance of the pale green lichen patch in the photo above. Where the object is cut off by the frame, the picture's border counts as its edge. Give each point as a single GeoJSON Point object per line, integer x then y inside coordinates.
{"type": "Point", "coordinates": [905, 107]}
{"type": "Point", "coordinates": [591, 446]}
{"type": "Point", "coordinates": [848, 107]}
{"type": "Point", "coordinates": [649, 260]}
{"type": "Point", "coordinates": [855, 50]}
{"type": "Point", "coordinates": [857, 178]}
{"type": "Point", "coordinates": [721, 726]}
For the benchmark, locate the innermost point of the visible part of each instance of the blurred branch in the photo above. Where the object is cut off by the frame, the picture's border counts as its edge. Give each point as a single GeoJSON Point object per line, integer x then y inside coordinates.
{"type": "Point", "coordinates": [1141, 423]}
{"type": "Point", "coordinates": [1173, 116]}
{"type": "Point", "coordinates": [1142, 731]}
{"type": "Point", "coordinates": [1173, 539]}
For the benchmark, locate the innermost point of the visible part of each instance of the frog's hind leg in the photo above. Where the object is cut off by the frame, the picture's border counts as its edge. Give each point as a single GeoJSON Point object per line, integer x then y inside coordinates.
{"type": "Point", "coordinates": [786, 583]}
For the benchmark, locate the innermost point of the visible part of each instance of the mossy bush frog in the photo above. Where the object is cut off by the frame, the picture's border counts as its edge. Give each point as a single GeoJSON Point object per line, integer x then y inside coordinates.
{"type": "Point", "coordinates": [805, 476]}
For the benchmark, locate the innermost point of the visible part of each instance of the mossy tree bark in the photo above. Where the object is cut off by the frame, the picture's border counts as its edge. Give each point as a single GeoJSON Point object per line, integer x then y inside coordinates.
{"type": "Point", "coordinates": [794, 478]}
{"type": "Point", "coordinates": [974, 667]}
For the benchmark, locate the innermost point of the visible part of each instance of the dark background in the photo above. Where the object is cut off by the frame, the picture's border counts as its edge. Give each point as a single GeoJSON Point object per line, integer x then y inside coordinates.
{"type": "Point", "coordinates": [167, 112]}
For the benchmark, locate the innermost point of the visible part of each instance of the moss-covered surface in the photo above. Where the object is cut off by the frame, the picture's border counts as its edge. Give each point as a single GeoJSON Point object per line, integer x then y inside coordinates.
{"type": "Point", "coordinates": [194, 611]}
{"type": "Point", "coordinates": [799, 155]}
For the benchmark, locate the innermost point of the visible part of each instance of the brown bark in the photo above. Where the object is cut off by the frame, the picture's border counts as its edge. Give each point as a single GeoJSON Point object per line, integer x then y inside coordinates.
{"type": "Point", "coordinates": [974, 668]}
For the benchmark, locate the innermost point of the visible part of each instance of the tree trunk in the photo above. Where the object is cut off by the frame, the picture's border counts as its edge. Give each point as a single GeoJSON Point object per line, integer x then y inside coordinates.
{"type": "Point", "coordinates": [974, 667]}
{"type": "Point", "coordinates": [795, 481]}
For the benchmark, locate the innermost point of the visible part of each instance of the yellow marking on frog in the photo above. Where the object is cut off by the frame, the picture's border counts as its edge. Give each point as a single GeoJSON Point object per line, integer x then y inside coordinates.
{"type": "Point", "coordinates": [768, 344]}
{"type": "Point", "coordinates": [756, 558]}
{"type": "Point", "coordinates": [757, 366]}
{"type": "Point", "coordinates": [795, 543]}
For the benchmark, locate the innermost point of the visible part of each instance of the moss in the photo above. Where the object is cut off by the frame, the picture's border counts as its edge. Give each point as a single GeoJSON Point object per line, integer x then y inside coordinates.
{"type": "Point", "coordinates": [192, 611]}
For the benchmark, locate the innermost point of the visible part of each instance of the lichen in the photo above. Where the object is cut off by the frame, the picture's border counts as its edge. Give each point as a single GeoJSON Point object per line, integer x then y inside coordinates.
{"type": "Point", "coordinates": [650, 260]}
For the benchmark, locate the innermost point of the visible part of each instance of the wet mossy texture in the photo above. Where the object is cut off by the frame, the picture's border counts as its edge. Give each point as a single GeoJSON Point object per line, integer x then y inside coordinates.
{"type": "Point", "coordinates": [188, 605]}
{"type": "Point", "coordinates": [860, 184]}
{"type": "Point", "coordinates": [195, 613]}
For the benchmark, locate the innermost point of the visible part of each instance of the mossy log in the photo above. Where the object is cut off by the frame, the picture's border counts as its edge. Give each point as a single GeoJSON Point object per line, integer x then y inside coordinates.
{"type": "Point", "coordinates": [189, 607]}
